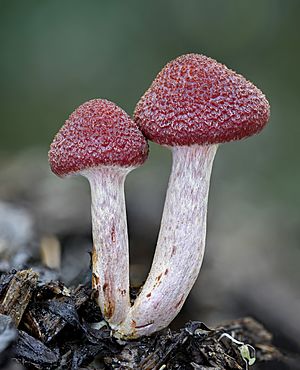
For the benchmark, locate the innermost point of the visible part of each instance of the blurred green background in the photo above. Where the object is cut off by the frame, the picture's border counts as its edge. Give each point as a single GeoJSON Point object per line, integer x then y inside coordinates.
{"type": "Point", "coordinates": [57, 54]}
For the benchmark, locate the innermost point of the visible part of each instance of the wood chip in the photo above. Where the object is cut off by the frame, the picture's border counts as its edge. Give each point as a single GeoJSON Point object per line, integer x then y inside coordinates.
{"type": "Point", "coordinates": [18, 294]}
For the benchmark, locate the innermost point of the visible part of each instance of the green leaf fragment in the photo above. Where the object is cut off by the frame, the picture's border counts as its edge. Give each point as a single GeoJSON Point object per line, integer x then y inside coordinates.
{"type": "Point", "coordinates": [245, 353]}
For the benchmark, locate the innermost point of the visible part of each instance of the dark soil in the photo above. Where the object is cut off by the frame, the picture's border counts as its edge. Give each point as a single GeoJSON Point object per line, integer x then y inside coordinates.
{"type": "Point", "coordinates": [46, 325]}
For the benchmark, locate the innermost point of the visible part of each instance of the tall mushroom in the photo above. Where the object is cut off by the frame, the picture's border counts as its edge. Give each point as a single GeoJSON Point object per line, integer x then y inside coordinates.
{"type": "Point", "coordinates": [194, 104]}
{"type": "Point", "coordinates": [101, 142]}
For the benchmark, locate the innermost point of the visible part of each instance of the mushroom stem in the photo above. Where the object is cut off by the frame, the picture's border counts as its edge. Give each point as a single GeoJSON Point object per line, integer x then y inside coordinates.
{"type": "Point", "coordinates": [110, 255]}
{"type": "Point", "coordinates": [180, 245]}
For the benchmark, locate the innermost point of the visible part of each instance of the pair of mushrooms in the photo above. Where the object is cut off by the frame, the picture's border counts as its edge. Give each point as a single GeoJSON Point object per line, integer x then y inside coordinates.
{"type": "Point", "coordinates": [194, 104]}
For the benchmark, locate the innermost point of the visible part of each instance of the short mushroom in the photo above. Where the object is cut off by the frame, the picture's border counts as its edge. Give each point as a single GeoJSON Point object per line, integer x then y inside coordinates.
{"type": "Point", "coordinates": [194, 104]}
{"type": "Point", "coordinates": [101, 142]}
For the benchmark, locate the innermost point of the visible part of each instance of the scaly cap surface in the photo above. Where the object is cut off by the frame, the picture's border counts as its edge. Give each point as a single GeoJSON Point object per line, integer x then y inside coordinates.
{"type": "Point", "coordinates": [196, 100]}
{"type": "Point", "coordinates": [97, 133]}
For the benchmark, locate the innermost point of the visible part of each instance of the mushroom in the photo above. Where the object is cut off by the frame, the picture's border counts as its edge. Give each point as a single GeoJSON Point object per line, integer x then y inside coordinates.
{"type": "Point", "coordinates": [102, 143]}
{"type": "Point", "coordinates": [194, 104]}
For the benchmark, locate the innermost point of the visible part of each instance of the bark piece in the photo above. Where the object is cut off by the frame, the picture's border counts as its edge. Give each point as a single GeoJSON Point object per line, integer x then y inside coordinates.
{"type": "Point", "coordinates": [33, 353]}
{"type": "Point", "coordinates": [18, 294]}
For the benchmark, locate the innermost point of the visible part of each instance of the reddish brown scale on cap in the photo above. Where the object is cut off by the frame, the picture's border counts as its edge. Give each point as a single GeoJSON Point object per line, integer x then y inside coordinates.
{"type": "Point", "coordinates": [196, 100]}
{"type": "Point", "coordinates": [97, 133]}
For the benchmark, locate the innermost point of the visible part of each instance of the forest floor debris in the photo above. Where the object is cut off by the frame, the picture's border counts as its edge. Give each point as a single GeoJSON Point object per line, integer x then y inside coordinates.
{"type": "Point", "coordinates": [51, 326]}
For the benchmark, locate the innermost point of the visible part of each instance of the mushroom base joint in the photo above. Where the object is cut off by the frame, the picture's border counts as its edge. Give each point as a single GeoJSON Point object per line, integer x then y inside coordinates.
{"type": "Point", "coordinates": [180, 246]}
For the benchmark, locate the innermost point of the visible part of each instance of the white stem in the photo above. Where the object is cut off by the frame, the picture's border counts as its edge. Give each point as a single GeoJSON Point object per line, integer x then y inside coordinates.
{"type": "Point", "coordinates": [180, 246]}
{"type": "Point", "coordinates": [110, 255]}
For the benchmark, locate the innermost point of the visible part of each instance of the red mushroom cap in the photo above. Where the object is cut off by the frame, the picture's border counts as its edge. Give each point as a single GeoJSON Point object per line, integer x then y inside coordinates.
{"type": "Point", "coordinates": [196, 100]}
{"type": "Point", "coordinates": [97, 133]}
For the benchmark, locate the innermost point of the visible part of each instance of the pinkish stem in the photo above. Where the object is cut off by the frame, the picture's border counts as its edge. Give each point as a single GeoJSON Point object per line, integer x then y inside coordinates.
{"type": "Point", "coordinates": [181, 243]}
{"type": "Point", "coordinates": [110, 256]}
